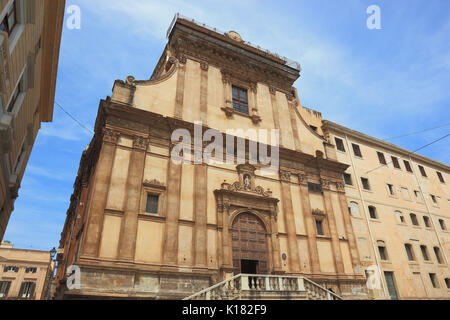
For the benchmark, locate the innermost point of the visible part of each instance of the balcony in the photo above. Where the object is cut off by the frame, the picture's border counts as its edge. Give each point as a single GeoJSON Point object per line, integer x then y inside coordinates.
{"type": "Point", "coordinates": [265, 287]}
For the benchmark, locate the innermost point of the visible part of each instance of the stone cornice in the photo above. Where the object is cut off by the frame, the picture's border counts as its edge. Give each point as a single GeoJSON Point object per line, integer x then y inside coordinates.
{"type": "Point", "coordinates": [229, 56]}
{"type": "Point", "coordinates": [334, 127]}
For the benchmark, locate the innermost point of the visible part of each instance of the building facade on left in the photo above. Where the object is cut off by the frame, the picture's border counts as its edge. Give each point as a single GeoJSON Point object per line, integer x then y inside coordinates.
{"type": "Point", "coordinates": [25, 274]}
{"type": "Point", "coordinates": [30, 36]}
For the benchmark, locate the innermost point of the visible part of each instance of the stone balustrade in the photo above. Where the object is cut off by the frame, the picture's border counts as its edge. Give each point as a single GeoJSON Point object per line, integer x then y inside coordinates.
{"type": "Point", "coordinates": [248, 286]}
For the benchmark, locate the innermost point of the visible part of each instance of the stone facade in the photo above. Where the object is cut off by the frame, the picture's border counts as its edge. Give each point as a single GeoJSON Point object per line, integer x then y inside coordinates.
{"type": "Point", "coordinates": [25, 274]}
{"type": "Point", "coordinates": [29, 52]}
{"type": "Point", "coordinates": [212, 220]}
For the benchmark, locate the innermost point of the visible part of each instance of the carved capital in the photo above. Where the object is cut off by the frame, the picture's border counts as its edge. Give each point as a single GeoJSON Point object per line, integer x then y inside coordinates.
{"type": "Point", "coordinates": [340, 186]}
{"type": "Point", "coordinates": [302, 178]}
{"type": "Point", "coordinates": [226, 78]}
{"type": "Point", "coordinates": [325, 184]}
{"type": "Point", "coordinates": [140, 143]}
{"type": "Point", "coordinates": [285, 175]}
{"type": "Point", "coordinates": [182, 59]}
{"type": "Point", "coordinates": [110, 136]}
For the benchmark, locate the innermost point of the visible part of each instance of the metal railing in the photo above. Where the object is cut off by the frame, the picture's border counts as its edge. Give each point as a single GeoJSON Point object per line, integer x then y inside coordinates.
{"type": "Point", "coordinates": [288, 62]}
{"type": "Point", "coordinates": [241, 284]}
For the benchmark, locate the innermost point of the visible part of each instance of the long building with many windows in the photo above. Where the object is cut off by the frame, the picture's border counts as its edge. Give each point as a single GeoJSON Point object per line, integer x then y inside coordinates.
{"type": "Point", "coordinates": [30, 35]}
{"type": "Point", "coordinates": [344, 215]}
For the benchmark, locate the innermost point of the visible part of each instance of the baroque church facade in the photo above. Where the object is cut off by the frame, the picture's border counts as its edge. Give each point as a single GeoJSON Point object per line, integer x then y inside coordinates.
{"type": "Point", "coordinates": [143, 226]}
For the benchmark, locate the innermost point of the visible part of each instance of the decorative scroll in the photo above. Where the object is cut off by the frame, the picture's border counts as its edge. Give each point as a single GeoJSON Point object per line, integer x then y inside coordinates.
{"type": "Point", "coordinates": [237, 186]}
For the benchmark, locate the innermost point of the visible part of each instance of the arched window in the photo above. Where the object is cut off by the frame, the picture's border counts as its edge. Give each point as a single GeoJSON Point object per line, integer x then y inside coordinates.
{"type": "Point", "coordinates": [354, 209]}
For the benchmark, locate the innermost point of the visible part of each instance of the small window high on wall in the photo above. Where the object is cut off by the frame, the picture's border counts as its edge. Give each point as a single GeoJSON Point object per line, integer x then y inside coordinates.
{"type": "Point", "coordinates": [240, 100]}
{"type": "Point", "coordinates": [339, 144]}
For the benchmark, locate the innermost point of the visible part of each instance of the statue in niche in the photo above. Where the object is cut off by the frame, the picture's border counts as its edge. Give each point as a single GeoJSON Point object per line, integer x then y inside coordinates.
{"type": "Point", "coordinates": [247, 182]}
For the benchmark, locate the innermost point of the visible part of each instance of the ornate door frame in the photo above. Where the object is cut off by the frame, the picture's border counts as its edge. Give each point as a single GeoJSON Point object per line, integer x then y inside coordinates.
{"type": "Point", "coordinates": [234, 199]}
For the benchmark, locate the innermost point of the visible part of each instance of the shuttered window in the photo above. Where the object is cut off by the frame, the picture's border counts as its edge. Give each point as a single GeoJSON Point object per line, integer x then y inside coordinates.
{"type": "Point", "coordinates": [240, 100]}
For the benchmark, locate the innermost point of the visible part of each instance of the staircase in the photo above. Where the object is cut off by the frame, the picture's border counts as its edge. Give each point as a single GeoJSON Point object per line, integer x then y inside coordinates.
{"type": "Point", "coordinates": [268, 287]}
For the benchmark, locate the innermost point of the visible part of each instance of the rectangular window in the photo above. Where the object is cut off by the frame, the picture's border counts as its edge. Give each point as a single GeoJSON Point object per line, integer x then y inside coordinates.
{"type": "Point", "coordinates": [440, 176]}
{"type": "Point", "coordinates": [348, 179]}
{"type": "Point", "coordinates": [414, 219]}
{"type": "Point", "coordinates": [4, 288]}
{"type": "Point", "coordinates": [381, 158]}
{"type": "Point", "coordinates": [30, 270]}
{"type": "Point", "coordinates": [409, 251]}
{"type": "Point", "coordinates": [339, 144]}
{"type": "Point", "coordinates": [442, 224]}
{"type": "Point", "coordinates": [319, 227]}
{"type": "Point", "coordinates": [424, 253]}
{"type": "Point", "coordinates": [18, 165]}
{"type": "Point", "coordinates": [10, 20]}
{"type": "Point", "coordinates": [13, 99]}
{"type": "Point", "coordinates": [383, 254]}
{"type": "Point", "coordinates": [407, 166]}
{"type": "Point", "coordinates": [356, 150]}
{"type": "Point", "coordinates": [152, 204]}
{"type": "Point", "coordinates": [395, 162]}
{"type": "Point", "coordinates": [426, 221]}
{"type": "Point", "coordinates": [27, 290]}
{"type": "Point", "coordinates": [422, 171]}
{"type": "Point", "coordinates": [399, 217]}
{"type": "Point", "coordinates": [433, 199]}
{"type": "Point", "coordinates": [391, 189]}
{"type": "Point", "coordinates": [365, 183]}
{"type": "Point", "coordinates": [314, 187]}
{"type": "Point", "coordinates": [417, 195]}
{"type": "Point", "coordinates": [373, 212]}
{"type": "Point", "coordinates": [240, 101]}
{"type": "Point", "coordinates": [389, 277]}
{"type": "Point", "coordinates": [438, 255]}
{"type": "Point", "coordinates": [11, 269]}
{"type": "Point", "coordinates": [433, 280]}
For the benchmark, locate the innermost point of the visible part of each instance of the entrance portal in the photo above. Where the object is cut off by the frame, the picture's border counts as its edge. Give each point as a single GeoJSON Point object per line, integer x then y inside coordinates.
{"type": "Point", "coordinates": [250, 253]}
{"type": "Point", "coordinates": [249, 266]}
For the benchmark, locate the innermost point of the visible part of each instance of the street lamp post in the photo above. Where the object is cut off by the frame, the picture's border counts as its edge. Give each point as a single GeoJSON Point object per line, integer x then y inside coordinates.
{"type": "Point", "coordinates": [50, 278]}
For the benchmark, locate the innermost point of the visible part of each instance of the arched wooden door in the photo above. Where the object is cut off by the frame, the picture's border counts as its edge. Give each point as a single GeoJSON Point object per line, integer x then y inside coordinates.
{"type": "Point", "coordinates": [249, 244]}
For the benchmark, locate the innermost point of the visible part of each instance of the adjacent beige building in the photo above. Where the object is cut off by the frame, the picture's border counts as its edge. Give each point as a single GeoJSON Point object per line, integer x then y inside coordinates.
{"type": "Point", "coordinates": [141, 225]}
{"type": "Point", "coordinates": [30, 34]}
{"type": "Point", "coordinates": [25, 274]}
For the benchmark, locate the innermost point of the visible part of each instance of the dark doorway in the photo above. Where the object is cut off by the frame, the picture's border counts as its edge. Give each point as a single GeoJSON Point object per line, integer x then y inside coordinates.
{"type": "Point", "coordinates": [249, 266]}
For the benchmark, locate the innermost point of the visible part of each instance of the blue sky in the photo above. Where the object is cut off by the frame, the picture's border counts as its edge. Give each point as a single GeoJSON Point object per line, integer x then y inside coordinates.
{"type": "Point", "coordinates": [383, 82]}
